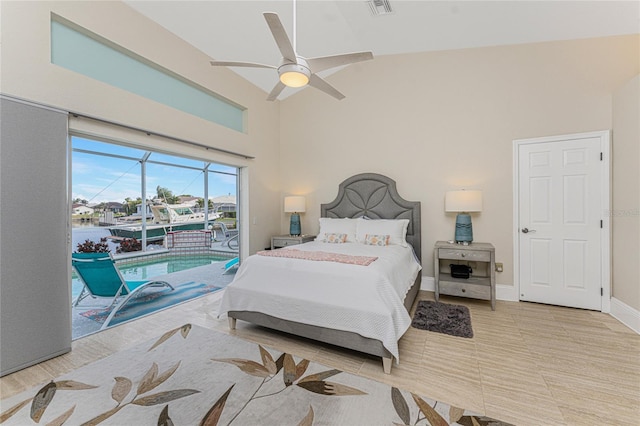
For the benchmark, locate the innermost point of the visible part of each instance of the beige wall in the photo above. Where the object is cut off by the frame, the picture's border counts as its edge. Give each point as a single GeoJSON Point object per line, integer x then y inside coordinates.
{"type": "Point", "coordinates": [446, 120]}
{"type": "Point", "coordinates": [432, 121]}
{"type": "Point", "coordinates": [27, 73]}
{"type": "Point", "coordinates": [626, 194]}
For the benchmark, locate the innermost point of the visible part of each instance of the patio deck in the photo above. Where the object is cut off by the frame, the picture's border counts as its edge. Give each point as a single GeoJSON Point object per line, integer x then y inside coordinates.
{"type": "Point", "coordinates": [210, 275]}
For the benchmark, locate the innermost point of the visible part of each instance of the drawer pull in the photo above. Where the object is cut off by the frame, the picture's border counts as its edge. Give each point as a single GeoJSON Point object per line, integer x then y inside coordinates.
{"type": "Point", "coordinates": [464, 290]}
{"type": "Point", "coordinates": [463, 255]}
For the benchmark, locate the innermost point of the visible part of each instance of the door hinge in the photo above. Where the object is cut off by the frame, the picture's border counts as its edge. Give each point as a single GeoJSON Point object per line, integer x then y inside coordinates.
{"type": "Point", "coordinates": [601, 224]}
{"type": "Point", "coordinates": [601, 291]}
{"type": "Point", "coordinates": [600, 156]}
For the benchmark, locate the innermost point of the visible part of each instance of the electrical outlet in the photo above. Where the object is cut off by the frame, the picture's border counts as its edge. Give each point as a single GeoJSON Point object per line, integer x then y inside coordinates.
{"type": "Point", "coordinates": [499, 267]}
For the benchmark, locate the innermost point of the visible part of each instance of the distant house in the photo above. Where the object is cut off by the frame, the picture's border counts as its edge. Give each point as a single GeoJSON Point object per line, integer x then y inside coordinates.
{"type": "Point", "coordinates": [224, 203]}
{"type": "Point", "coordinates": [114, 207]}
{"type": "Point", "coordinates": [81, 209]}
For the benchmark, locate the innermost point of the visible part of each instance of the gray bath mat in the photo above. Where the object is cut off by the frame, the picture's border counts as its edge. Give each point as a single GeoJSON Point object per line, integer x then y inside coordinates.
{"type": "Point", "coordinates": [443, 318]}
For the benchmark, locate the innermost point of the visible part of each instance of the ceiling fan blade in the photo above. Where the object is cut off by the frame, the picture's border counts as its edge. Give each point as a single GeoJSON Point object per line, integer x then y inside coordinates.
{"type": "Point", "coordinates": [280, 36]}
{"type": "Point", "coordinates": [326, 62]}
{"type": "Point", "coordinates": [240, 64]}
{"type": "Point", "coordinates": [320, 84]}
{"type": "Point", "coordinates": [276, 91]}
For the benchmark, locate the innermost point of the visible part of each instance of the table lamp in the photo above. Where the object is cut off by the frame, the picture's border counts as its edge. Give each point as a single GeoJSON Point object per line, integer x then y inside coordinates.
{"type": "Point", "coordinates": [294, 205]}
{"type": "Point", "coordinates": [463, 202]}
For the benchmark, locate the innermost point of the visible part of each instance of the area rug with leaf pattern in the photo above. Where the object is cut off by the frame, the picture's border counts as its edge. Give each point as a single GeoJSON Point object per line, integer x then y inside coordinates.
{"type": "Point", "coordinates": [195, 376]}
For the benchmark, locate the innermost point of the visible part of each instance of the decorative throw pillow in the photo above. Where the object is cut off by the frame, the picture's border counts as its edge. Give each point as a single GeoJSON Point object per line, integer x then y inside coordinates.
{"type": "Point", "coordinates": [396, 229]}
{"type": "Point", "coordinates": [376, 240]}
{"type": "Point", "coordinates": [334, 238]}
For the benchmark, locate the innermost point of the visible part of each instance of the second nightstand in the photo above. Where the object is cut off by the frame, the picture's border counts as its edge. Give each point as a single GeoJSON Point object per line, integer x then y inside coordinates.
{"type": "Point", "coordinates": [280, 241]}
{"type": "Point", "coordinates": [481, 284]}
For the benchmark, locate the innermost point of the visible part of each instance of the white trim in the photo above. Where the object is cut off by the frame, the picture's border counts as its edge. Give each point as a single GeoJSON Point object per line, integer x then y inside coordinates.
{"type": "Point", "coordinates": [605, 203]}
{"type": "Point", "coordinates": [243, 219]}
{"type": "Point", "coordinates": [507, 292]}
{"type": "Point", "coordinates": [625, 314]}
{"type": "Point", "coordinates": [428, 283]}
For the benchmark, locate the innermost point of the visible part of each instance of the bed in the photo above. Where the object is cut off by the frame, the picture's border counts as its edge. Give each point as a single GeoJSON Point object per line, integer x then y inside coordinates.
{"type": "Point", "coordinates": [363, 198]}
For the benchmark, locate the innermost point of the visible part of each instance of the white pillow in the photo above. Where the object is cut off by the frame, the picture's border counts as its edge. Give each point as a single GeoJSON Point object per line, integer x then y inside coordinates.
{"type": "Point", "coordinates": [330, 225]}
{"type": "Point", "coordinates": [395, 228]}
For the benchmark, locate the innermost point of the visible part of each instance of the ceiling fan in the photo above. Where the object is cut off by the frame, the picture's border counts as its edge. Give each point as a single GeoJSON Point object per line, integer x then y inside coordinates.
{"type": "Point", "coordinates": [295, 70]}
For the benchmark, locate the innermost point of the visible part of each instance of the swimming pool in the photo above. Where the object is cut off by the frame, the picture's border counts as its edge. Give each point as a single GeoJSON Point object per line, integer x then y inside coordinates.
{"type": "Point", "coordinates": [144, 269]}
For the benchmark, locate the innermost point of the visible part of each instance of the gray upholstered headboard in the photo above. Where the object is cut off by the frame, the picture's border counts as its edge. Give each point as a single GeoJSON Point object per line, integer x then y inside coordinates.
{"type": "Point", "coordinates": [376, 197]}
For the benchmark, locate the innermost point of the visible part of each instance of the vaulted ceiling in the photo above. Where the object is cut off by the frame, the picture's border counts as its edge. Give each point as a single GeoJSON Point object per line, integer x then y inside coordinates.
{"type": "Point", "coordinates": [236, 30]}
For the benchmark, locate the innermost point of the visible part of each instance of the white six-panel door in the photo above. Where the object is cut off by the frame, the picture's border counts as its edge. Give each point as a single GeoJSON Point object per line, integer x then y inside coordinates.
{"type": "Point", "coordinates": [559, 220]}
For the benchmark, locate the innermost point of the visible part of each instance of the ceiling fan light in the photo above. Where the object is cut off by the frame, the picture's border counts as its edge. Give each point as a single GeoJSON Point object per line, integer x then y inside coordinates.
{"type": "Point", "coordinates": [294, 75]}
{"type": "Point", "coordinates": [294, 79]}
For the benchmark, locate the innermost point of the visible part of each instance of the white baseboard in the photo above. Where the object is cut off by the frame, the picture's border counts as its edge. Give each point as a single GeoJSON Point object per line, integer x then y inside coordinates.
{"type": "Point", "coordinates": [625, 314]}
{"type": "Point", "coordinates": [428, 284]}
{"type": "Point", "coordinates": [507, 292]}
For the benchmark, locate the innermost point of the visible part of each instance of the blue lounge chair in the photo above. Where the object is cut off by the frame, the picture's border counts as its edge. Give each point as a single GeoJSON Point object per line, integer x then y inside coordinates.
{"type": "Point", "coordinates": [233, 263]}
{"type": "Point", "coordinates": [101, 278]}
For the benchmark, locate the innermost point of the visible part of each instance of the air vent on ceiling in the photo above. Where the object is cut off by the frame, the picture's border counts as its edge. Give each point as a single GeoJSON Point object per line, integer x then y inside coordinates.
{"type": "Point", "coordinates": [380, 7]}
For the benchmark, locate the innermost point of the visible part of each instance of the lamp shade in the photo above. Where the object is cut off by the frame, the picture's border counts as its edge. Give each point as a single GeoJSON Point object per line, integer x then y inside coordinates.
{"type": "Point", "coordinates": [294, 204]}
{"type": "Point", "coordinates": [463, 201]}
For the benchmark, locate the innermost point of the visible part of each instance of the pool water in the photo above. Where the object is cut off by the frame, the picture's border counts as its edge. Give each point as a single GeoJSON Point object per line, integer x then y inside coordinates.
{"type": "Point", "coordinates": [144, 270]}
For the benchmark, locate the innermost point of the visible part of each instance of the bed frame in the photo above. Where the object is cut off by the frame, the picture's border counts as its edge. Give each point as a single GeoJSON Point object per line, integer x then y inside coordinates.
{"type": "Point", "coordinates": [373, 196]}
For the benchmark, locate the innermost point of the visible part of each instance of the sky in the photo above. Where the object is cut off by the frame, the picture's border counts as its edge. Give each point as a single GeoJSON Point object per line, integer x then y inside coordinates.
{"type": "Point", "coordinates": [98, 178]}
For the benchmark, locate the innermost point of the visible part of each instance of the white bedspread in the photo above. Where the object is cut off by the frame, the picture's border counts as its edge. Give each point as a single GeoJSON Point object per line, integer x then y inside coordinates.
{"type": "Point", "coordinates": [367, 300]}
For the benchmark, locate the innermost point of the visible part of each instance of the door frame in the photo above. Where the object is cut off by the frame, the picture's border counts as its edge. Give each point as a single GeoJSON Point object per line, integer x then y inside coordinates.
{"type": "Point", "coordinates": [605, 204]}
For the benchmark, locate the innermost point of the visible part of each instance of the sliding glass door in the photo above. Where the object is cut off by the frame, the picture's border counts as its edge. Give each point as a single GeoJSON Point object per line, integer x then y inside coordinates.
{"type": "Point", "coordinates": [158, 214]}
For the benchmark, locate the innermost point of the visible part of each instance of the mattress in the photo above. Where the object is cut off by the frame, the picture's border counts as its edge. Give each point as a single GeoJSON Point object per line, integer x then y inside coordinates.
{"type": "Point", "coordinates": [367, 300]}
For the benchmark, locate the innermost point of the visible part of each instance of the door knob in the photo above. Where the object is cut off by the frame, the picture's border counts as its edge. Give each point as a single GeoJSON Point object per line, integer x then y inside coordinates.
{"type": "Point", "coordinates": [527, 230]}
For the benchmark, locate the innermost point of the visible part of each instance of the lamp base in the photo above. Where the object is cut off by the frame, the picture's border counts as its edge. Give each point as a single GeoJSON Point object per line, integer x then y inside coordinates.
{"type": "Point", "coordinates": [464, 229]}
{"type": "Point", "coordinates": [294, 225]}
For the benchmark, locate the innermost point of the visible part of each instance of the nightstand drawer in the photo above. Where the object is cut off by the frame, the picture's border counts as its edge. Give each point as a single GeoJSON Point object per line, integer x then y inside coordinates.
{"type": "Point", "coordinates": [474, 291]}
{"type": "Point", "coordinates": [473, 255]}
{"type": "Point", "coordinates": [284, 242]}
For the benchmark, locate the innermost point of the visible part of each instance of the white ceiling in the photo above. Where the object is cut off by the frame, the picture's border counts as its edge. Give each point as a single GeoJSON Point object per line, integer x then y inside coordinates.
{"type": "Point", "coordinates": [236, 30]}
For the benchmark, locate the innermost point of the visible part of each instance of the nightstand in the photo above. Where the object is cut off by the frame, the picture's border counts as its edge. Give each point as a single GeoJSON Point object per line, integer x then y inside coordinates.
{"type": "Point", "coordinates": [481, 257]}
{"type": "Point", "coordinates": [280, 241]}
